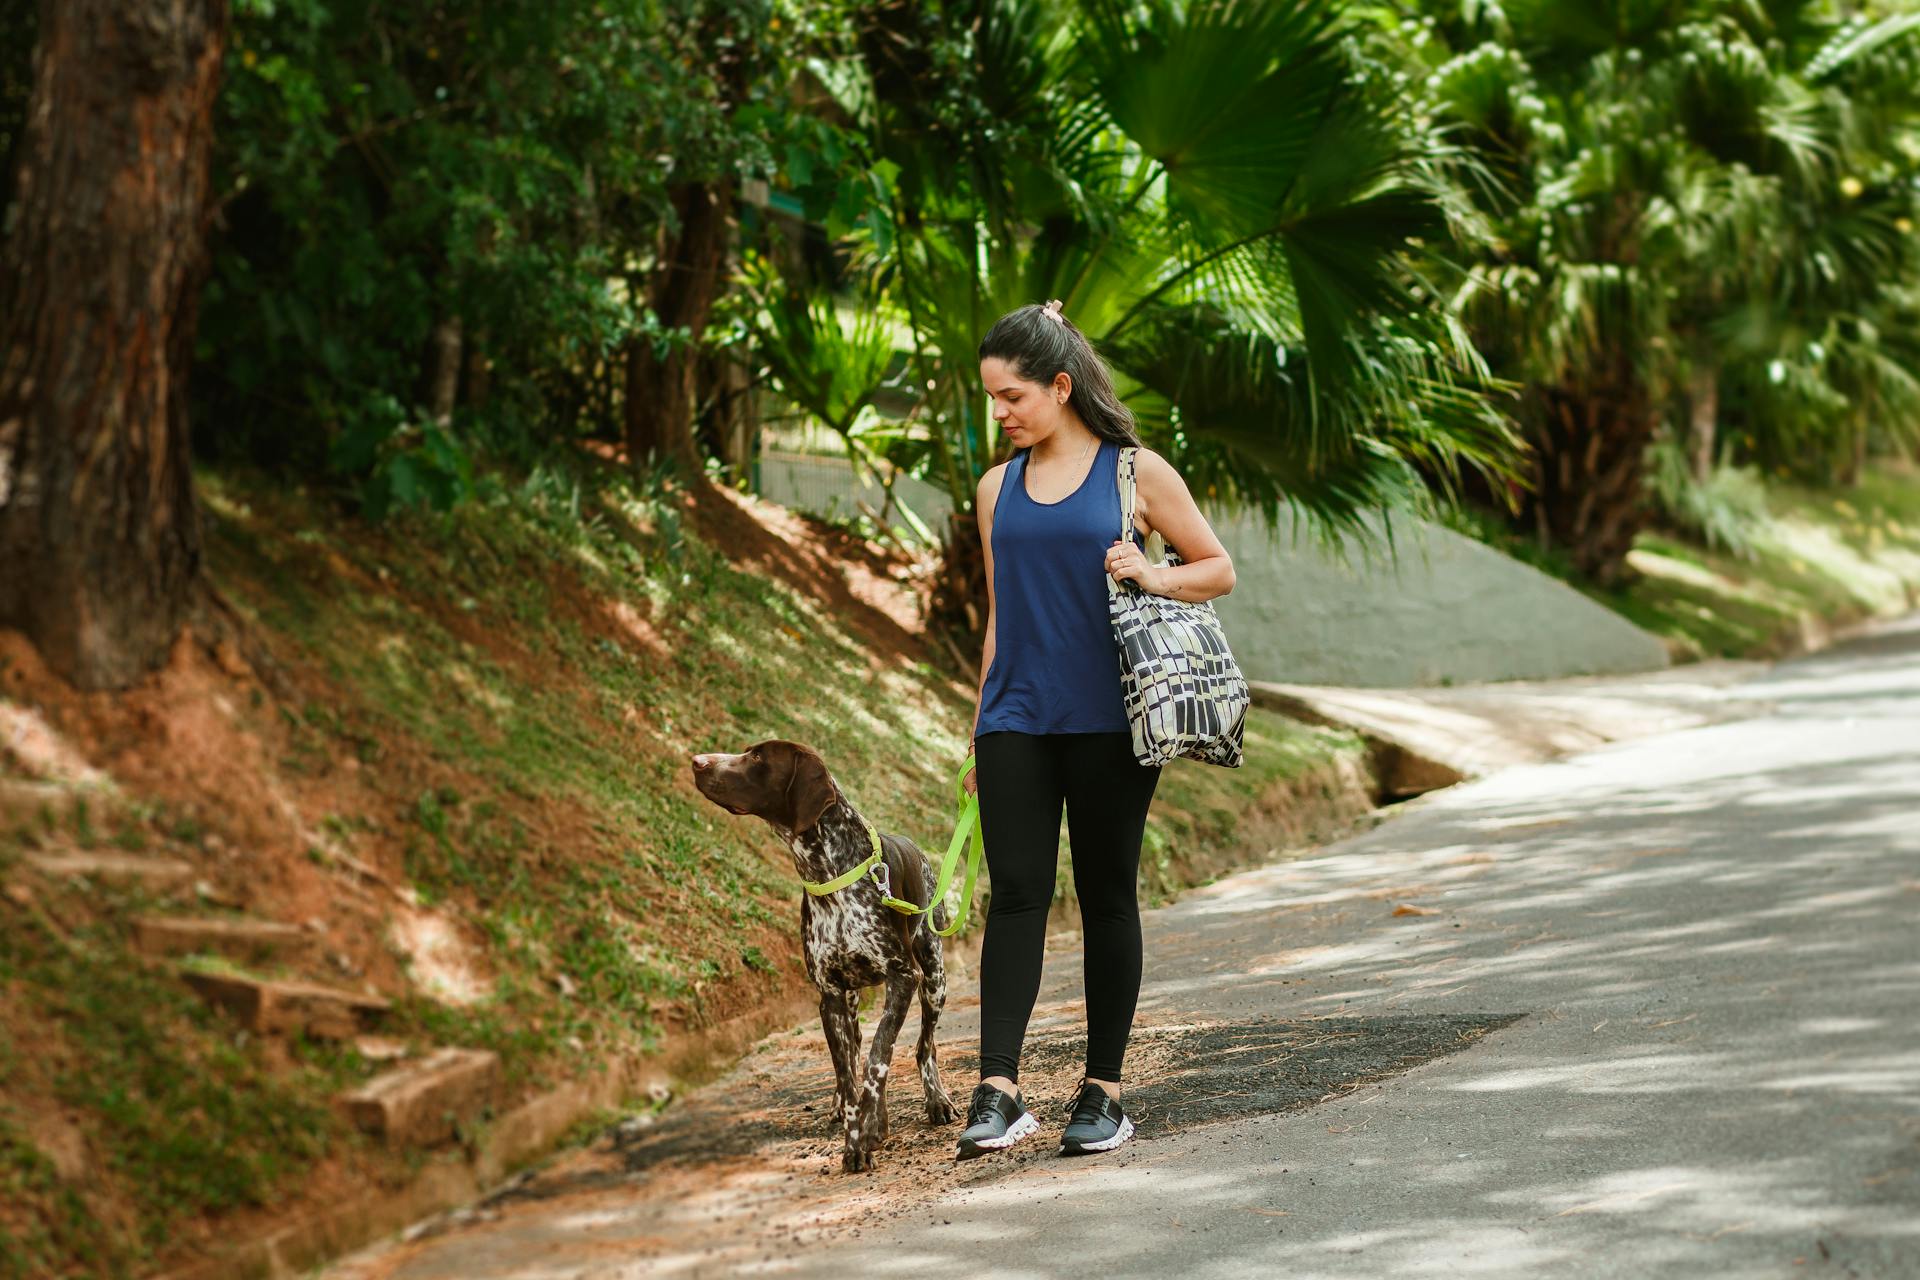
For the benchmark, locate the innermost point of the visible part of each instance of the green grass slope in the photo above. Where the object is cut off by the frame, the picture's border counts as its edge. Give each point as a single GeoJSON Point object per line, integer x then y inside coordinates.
{"type": "Point", "coordinates": [1816, 559]}
{"type": "Point", "coordinates": [455, 750]}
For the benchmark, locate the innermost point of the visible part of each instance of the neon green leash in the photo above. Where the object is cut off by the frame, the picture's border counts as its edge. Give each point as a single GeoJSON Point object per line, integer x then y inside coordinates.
{"type": "Point", "coordinates": [966, 831]}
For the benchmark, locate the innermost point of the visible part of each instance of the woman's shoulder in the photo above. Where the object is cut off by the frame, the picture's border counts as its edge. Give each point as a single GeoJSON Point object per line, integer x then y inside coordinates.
{"type": "Point", "coordinates": [1152, 469]}
{"type": "Point", "coordinates": [987, 491]}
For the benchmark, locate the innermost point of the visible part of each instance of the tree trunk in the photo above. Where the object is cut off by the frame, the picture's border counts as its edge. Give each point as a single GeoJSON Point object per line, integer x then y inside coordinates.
{"type": "Point", "coordinates": [959, 600]}
{"type": "Point", "coordinates": [1854, 465]}
{"type": "Point", "coordinates": [478, 377]}
{"type": "Point", "coordinates": [731, 425]}
{"type": "Point", "coordinates": [99, 294]}
{"type": "Point", "coordinates": [1703, 404]}
{"type": "Point", "coordinates": [445, 376]}
{"type": "Point", "coordinates": [663, 391]}
{"type": "Point", "coordinates": [1589, 447]}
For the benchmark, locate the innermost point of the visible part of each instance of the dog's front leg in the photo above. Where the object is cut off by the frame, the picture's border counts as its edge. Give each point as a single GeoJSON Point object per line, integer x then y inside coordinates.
{"type": "Point", "coordinates": [867, 1123]}
{"type": "Point", "coordinates": [842, 1025]}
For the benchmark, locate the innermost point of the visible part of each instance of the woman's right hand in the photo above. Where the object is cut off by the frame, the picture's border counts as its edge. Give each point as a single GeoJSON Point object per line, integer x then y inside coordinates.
{"type": "Point", "coordinates": [972, 781]}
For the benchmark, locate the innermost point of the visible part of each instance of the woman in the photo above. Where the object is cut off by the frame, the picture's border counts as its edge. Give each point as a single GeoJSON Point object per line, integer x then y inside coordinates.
{"type": "Point", "coordinates": [1050, 726]}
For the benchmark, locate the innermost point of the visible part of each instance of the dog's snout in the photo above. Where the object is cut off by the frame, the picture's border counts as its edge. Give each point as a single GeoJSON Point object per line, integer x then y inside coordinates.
{"type": "Point", "coordinates": [702, 763]}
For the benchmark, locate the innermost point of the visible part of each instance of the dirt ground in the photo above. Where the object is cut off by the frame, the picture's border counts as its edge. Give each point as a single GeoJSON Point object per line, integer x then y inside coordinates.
{"type": "Point", "coordinates": [246, 757]}
{"type": "Point", "coordinates": [748, 1170]}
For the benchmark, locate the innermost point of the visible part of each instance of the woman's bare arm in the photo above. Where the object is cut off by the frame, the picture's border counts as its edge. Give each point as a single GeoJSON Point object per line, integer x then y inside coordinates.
{"type": "Point", "coordinates": [985, 496]}
{"type": "Point", "coordinates": [1164, 505]}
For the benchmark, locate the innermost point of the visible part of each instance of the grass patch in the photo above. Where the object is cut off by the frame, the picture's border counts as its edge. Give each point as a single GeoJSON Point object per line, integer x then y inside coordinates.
{"type": "Point", "coordinates": [1814, 558]}
{"type": "Point", "coordinates": [512, 692]}
{"type": "Point", "coordinates": [181, 1117]}
{"type": "Point", "coordinates": [1820, 556]}
{"type": "Point", "coordinates": [1199, 822]}
{"type": "Point", "coordinates": [45, 1225]}
{"type": "Point", "coordinates": [562, 646]}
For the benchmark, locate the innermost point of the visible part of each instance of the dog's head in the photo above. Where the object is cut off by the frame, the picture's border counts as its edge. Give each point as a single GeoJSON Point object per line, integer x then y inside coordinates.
{"type": "Point", "coordinates": [784, 782]}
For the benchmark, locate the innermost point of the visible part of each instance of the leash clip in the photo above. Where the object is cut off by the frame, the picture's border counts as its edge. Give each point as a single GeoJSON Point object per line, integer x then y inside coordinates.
{"type": "Point", "coordinates": [881, 878]}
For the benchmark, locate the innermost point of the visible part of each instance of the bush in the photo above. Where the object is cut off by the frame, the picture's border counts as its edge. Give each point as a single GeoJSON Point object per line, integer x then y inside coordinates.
{"type": "Point", "coordinates": [1727, 510]}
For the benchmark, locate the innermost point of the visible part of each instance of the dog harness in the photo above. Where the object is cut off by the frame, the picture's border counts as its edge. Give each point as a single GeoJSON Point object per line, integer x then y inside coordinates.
{"type": "Point", "coordinates": [966, 830]}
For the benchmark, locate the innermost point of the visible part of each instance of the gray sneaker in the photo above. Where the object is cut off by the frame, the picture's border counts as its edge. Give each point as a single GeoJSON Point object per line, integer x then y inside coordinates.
{"type": "Point", "coordinates": [1096, 1123]}
{"type": "Point", "coordinates": [995, 1121]}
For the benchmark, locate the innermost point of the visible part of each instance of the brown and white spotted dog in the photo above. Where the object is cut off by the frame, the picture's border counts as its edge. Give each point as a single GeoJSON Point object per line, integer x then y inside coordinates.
{"type": "Point", "coordinates": [850, 938]}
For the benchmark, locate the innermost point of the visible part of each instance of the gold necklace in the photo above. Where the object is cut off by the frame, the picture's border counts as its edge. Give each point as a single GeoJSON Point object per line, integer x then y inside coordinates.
{"type": "Point", "coordinates": [1085, 450]}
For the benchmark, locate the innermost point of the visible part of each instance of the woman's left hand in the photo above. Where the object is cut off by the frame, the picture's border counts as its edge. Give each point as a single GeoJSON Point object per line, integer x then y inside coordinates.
{"type": "Point", "coordinates": [1127, 562]}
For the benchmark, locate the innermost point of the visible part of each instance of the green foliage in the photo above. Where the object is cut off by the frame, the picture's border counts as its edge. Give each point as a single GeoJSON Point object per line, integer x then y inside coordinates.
{"type": "Point", "coordinates": [186, 1119]}
{"type": "Point", "coordinates": [58, 1229]}
{"type": "Point", "coordinates": [829, 365]}
{"type": "Point", "coordinates": [1229, 198]}
{"type": "Point", "coordinates": [1701, 198]}
{"type": "Point", "coordinates": [476, 183]}
{"type": "Point", "coordinates": [1727, 510]}
{"type": "Point", "coordinates": [1826, 401]}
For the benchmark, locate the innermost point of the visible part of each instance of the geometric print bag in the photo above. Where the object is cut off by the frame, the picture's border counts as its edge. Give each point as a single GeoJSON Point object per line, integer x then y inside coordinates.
{"type": "Point", "coordinates": [1184, 693]}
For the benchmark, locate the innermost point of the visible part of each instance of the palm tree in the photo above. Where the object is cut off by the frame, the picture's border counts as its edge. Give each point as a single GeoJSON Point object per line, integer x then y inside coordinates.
{"type": "Point", "coordinates": [1233, 204]}
{"type": "Point", "coordinates": [1662, 180]}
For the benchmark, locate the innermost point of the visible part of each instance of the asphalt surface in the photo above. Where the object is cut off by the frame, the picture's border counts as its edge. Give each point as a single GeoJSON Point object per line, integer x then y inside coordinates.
{"type": "Point", "coordinates": [1716, 935]}
{"type": "Point", "coordinates": [1688, 972]}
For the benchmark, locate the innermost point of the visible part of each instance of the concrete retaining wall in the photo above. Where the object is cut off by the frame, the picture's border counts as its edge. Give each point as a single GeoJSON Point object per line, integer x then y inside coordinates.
{"type": "Point", "coordinates": [826, 487]}
{"type": "Point", "coordinates": [1450, 611]}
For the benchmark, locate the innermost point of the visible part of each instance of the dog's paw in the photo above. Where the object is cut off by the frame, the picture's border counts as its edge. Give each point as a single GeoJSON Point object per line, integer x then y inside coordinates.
{"type": "Point", "coordinates": [856, 1159]}
{"type": "Point", "coordinates": [940, 1109]}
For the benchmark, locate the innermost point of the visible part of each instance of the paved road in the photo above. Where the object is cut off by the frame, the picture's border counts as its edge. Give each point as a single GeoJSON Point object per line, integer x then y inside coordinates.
{"type": "Point", "coordinates": [1711, 936]}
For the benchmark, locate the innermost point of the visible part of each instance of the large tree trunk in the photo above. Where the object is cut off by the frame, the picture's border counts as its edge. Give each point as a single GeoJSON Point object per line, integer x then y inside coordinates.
{"type": "Point", "coordinates": [664, 392]}
{"type": "Point", "coordinates": [1589, 447]}
{"type": "Point", "coordinates": [99, 291]}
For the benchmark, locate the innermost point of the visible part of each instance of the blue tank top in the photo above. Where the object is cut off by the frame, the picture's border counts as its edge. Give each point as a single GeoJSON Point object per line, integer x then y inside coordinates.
{"type": "Point", "coordinates": [1055, 667]}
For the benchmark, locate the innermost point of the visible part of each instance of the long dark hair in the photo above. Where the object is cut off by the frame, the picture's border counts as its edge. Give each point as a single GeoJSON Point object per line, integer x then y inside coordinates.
{"type": "Point", "coordinates": [1041, 344]}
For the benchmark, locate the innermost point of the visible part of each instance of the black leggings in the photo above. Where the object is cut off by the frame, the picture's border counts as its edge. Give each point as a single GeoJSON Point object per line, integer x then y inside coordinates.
{"type": "Point", "coordinates": [1023, 778]}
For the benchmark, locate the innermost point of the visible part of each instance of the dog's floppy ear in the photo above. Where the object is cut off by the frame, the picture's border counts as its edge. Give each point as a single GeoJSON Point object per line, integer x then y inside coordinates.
{"type": "Point", "coordinates": [810, 790]}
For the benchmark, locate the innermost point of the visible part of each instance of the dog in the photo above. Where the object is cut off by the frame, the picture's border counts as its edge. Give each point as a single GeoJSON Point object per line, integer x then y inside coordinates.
{"type": "Point", "coordinates": [850, 938]}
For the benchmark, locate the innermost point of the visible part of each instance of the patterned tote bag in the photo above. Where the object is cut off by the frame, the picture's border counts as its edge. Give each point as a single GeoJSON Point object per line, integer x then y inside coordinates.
{"type": "Point", "coordinates": [1184, 693]}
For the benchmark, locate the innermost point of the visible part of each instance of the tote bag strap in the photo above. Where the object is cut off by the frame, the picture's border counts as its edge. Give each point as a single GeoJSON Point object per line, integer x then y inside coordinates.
{"type": "Point", "coordinates": [1155, 546]}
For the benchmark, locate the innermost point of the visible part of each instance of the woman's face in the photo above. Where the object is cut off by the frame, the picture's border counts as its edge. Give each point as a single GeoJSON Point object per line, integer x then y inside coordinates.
{"type": "Point", "coordinates": [1026, 411]}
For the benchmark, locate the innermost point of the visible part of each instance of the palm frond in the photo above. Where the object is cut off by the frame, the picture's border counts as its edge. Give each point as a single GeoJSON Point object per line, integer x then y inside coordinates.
{"type": "Point", "coordinates": [1247, 420]}
{"type": "Point", "coordinates": [1227, 98]}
